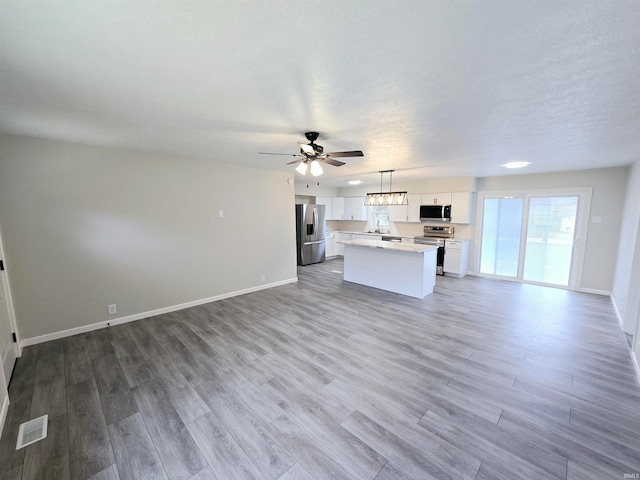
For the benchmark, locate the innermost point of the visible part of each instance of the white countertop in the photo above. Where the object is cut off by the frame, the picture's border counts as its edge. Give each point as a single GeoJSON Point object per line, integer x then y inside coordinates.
{"type": "Point", "coordinates": [398, 246]}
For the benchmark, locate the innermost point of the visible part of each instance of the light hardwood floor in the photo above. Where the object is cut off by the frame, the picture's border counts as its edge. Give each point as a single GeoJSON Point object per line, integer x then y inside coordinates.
{"type": "Point", "coordinates": [325, 379]}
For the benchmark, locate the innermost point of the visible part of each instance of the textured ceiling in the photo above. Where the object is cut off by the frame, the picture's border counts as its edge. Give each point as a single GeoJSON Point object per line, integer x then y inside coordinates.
{"type": "Point", "coordinates": [429, 88]}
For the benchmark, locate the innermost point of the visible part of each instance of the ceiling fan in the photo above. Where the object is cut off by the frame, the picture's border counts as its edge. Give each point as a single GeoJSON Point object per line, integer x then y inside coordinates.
{"type": "Point", "coordinates": [312, 154]}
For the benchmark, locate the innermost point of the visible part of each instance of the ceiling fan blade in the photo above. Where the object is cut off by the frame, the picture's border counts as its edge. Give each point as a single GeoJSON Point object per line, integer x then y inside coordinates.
{"type": "Point", "coordinates": [295, 161]}
{"type": "Point", "coordinates": [287, 154]}
{"type": "Point", "coordinates": [331, 161]}
{"type": "Point", "coordinates": [353, 153]}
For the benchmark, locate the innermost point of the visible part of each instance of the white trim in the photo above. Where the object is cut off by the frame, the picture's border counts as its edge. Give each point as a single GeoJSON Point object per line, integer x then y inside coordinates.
{"type": "Point", "coordinates": [8, 297]}
{"type": "Point", "coordinates": [151, 313]}
{"type": "Point", "coordinates": [617, 312]}
{"type": "Point", "coordinates": [636, 366]}
{"type": "Point", "coordinates": [594, 291]}
{"type": "Point", "coordinates": [3, 412]}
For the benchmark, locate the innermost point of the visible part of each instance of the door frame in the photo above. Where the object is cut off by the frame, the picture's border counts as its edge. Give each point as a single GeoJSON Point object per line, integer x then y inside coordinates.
{"type": "Point", "coordinates": [10, 306]}
{"type": "Point", "coordinates": [580, 234]}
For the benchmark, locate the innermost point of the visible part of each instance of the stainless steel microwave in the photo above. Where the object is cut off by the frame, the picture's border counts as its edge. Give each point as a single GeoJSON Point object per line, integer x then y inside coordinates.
{"type": "Point", "coordinates": [440, 213]}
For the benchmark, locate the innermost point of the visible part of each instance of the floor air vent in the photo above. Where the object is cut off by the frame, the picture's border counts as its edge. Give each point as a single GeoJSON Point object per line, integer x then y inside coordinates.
{"type": "Point", "coordinates": [32, 431]}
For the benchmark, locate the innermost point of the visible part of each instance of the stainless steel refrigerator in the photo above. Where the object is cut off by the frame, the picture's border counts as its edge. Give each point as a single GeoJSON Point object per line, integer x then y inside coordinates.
{"type": "Point", "coordinates": [310, 233]}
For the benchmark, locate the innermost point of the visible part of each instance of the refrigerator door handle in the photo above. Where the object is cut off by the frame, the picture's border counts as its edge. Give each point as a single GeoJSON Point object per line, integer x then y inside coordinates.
{"type": "Point", "coordinates": [315, 221]}
{"type": "Point", "coordinates": [316, 242]}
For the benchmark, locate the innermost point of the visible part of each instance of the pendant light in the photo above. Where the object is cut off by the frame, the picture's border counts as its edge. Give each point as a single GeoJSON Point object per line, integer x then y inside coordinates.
{"type": "Point", "coordinates": [386, 198]}
{"type": "Point", "coordinates": [302, 168]}
{"type": "Point", "coordinates": [316, 169]}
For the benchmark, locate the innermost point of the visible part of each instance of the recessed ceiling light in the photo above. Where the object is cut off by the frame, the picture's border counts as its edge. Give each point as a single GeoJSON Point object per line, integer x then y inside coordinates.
{"type": "Point", "coordinates": [515, 164]}
{"type": "Point", "coordinates": [355, 182]}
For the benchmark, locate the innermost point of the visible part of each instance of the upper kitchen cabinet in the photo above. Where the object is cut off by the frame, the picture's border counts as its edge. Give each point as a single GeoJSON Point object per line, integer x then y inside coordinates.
{"type": "Point", "coordinates": [436, 198]}
{"type": "Point", "coordinates": [328, 206]}
{"type": "Point", "coordinates": [461, 207]}
{"type": "Point", "coordinates": [338, 208]}
{"type": "Point", "coordinates": [407, 213]}
{"type": "Point", "coordinates": [413, 210]}
{"type": "Point", "coordinates": [399, 213]}
{"type": "Point", "coordinates": [354, 208]}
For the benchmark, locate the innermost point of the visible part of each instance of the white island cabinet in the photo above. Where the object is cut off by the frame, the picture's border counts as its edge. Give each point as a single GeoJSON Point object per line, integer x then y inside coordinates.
{"type": "Point", "coordinates": [402, 268]}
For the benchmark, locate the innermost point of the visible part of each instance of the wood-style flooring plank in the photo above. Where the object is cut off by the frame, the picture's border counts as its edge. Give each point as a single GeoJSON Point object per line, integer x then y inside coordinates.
{"type": "Point", "coordinates": [19, 412]}
{"type": "Point", "coordinates": [110, 473]}
{"type": "Point", "coordinates": [310, 413]}
{"type": "Point", "coordinates": [316, 458]}
{"type": "Point", "coordinates": [270, 457]}
{"type": "Point", "coordinates": [567, 447]}
{"type": "Point", "coordinates": [296, 472]}
{"type": "Point", "coordinates": [24, 375]}
{"type": "Point", "coordinates": [77, 360]}
{"type": "Point", "coordinates": [14, 474]}
{"type": "Point", "coordinates": [408, 458]}
{"type": "Point", "coordinates": [49, 385]}
{"type": "Point", "coordinates": [49, 457]}
{"type": "Point", "coordinates": [135, 453]}
{"type": "Point", "coordinates": [184, 398]}
{"type": "Point", "coordinates": [177, 450]}
{"type": "Point", "coordinates": [145, 342]}
{"type": "Point", "coordinates": [115, 396]}
{"type": "Point", "coordinates": [221, 450]}
{"type": "Point", "coordinates": [133, 363]}
{"type": "Point", "coordinates": [89, 444]}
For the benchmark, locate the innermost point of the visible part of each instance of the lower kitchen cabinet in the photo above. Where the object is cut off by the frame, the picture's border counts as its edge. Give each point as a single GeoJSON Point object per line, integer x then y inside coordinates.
{"type": "Point", "coordinates": [330, 245]}
{"type": "Point", "coordinates": [456, 253]}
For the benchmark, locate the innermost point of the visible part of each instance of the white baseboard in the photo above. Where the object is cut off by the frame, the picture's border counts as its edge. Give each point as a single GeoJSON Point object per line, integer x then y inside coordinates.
{"type": "Point", "coordinates": [617, 312]}
{"type": "Point", "coordinates": [636, 367]}
{"type": "Point", "coordinates": [151, 313]}
{"type": "Point", "coordinates": [595, 291]}
{"type": "Point", "coordinates": [3, 412]}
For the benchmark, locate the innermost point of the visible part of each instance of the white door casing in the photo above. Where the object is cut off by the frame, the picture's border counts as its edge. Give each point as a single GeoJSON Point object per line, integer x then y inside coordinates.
{"type": "Point", "coordinates": [8, 348]}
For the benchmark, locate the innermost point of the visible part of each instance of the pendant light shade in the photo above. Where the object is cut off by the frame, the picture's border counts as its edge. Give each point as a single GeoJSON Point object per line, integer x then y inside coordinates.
{"type": "Point", "coordinates": [386, 198]}
{"type": "Point", "coordinates": [302, 168]}
{"type": "Point", "coordinates": [316, 169]}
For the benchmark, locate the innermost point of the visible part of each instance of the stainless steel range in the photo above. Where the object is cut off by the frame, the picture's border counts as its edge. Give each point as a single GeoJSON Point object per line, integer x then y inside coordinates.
{"type": "Point", "coordinates": [436, 236]}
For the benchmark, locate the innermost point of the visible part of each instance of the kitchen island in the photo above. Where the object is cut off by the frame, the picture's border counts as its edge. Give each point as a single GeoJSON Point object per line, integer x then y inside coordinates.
{"type": "Point", "coordinates": [402, 268]}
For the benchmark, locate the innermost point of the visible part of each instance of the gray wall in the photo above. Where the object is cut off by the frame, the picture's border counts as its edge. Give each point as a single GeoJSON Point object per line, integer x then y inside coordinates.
{"type": "Point", "coordinates": [84, 227]}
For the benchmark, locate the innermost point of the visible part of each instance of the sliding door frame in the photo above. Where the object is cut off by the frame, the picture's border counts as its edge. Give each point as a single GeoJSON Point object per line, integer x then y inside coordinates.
{"type": "Point", "coordinates": [580, 233]}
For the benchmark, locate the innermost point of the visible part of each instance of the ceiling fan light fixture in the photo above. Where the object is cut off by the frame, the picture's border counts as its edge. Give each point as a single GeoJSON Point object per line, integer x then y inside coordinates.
{"type": "Point", "coordinates": [316, 169]}
{"type": "Point", "coordinates": [386, 198]}
{"type": "Point", "coordinates": [302, 168]}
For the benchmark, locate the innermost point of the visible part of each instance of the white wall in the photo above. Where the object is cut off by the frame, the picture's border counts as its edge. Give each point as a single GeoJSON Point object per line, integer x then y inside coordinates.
{"type": "Point", "coordinates": [85, 227]}
{"type": "Point", "coordinates": [312, 189]}
{"type": "Point", "coordinates": [626, 284]}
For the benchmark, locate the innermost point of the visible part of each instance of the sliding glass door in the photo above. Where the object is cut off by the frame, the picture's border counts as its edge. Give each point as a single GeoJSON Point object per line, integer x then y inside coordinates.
{"type": "Point", "coordinates": [501, 230]}
{"type": "Point", "coordinates": [531, 237]}
{"type": "Point", "coordinates": [549, 241]}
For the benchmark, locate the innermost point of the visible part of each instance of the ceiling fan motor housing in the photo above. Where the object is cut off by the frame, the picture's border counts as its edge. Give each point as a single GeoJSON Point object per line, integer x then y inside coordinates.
{"type": "Point", "coordinates": [311, 136]}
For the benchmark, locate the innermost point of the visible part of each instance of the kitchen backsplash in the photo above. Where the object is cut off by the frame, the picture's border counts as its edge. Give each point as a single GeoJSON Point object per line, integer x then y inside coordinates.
{"type": "Point", "coordinates": [399, 228]}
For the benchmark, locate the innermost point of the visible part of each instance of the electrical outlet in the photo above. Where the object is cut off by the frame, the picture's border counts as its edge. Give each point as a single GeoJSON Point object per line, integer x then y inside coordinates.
{"type": "Point", "coordinates": [221, 213]}
{"type": "Point", "coordinates": [113, 309]}
{"type": "Point", "coordinates": [263, 278]}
